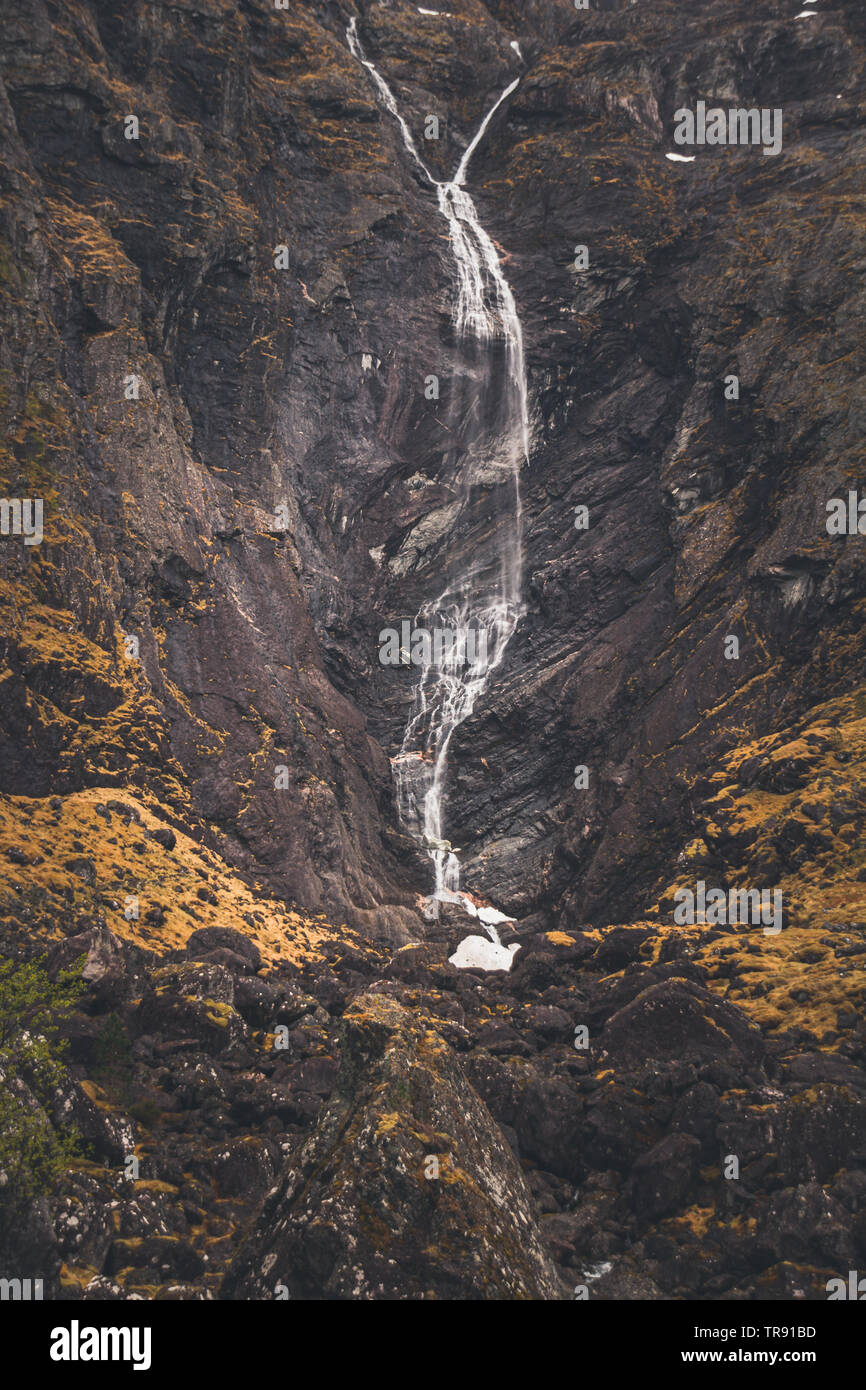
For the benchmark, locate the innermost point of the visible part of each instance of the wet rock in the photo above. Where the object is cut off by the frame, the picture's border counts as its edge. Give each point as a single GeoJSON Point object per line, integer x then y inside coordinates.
{"type": "Point", "coordinates": [705, 512]}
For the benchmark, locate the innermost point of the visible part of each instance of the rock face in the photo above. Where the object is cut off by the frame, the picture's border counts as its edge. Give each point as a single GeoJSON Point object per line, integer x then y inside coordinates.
{"type": "Point", "coordinates": [263, 506]}
{"type": "Point", "coordinates": [223, 286]}
{"type": "Point", "coordinates": [377, 1124]}
{"type": "Point", "coordinates": [406, 1189]}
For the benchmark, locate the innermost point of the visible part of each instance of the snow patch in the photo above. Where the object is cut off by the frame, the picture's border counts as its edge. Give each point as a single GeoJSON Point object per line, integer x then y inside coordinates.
{"type": "Point", "coordinates": [681, 158]}
{"type": "Point", "coordinates": [478, 953]}
{"type": "Point", "coordinates": [491, 917]}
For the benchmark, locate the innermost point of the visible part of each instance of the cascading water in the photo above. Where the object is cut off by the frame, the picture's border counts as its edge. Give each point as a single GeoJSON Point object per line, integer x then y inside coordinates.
{"type": "Point", "coordinates": [480, 604]}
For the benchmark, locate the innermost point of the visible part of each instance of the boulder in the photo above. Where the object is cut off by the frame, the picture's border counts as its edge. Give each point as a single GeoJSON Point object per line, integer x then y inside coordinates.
{"type": "Point", "coordinates": [679, 1019]}
{"type": "Point", "coordinates": [661, 1178]}
{"type": "Point", "coordinates": [405, 1190]}
{"type": "Point", "coordinates": [208, 939]}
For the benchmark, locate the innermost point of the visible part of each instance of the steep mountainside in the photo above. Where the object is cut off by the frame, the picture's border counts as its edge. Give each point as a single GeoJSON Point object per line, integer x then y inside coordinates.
{"type": "Point", "coordinates": [225, 286]}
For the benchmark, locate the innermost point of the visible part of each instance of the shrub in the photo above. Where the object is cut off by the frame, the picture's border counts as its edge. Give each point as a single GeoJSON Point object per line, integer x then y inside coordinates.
{"type": "Point", "coordinates": [32, 1010]}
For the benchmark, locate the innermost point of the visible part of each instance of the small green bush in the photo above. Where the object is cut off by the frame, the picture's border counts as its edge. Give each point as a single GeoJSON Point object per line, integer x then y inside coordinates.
{"type": "Point", "coordinates": [32, 1011]}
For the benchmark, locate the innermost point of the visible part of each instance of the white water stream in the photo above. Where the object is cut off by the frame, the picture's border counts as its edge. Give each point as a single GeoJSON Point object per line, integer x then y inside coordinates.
{"type": "Point", "coordinates": [483, 594]}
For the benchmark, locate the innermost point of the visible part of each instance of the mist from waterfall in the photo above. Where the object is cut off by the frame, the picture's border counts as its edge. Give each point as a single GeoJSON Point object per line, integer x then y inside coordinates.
{"type": "Point", "coordinates": [484, 594]}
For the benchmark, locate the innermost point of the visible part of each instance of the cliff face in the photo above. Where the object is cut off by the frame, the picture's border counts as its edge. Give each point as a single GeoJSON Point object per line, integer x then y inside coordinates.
{"type": "Point", "coordinates": [153, 258]}
{"type": "Point", "coordinates": [294, 398]}
{"type": "Point", "coordinates": [223, 287]}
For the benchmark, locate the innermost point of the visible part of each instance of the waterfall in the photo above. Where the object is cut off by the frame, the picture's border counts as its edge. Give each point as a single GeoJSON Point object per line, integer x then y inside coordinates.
{"type": "Point", "coordinates": [481, 601]}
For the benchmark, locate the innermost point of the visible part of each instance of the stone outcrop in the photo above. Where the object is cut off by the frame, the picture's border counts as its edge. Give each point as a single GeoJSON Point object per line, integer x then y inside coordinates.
{"type": "Point", "coordinates": [406, 1190]}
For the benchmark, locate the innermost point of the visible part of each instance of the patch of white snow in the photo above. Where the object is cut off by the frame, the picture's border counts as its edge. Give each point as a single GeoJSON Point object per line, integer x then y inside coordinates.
{"type": "Point", "coordinates": [491, 917]}
{"type": "Point", "coordinates": [478, 953]}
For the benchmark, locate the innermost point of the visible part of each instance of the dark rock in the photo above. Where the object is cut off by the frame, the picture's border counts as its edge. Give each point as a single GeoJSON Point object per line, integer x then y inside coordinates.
{"type": "Point", "coordinates": [356, 1216]}
{"type": "Point", "coordinates": [246, 1166]}
{"type": "Point", "coordinates": [282, 487]}
{"type": "Point", "coordinates": [680, 1019]}
{"type": "Point", "coordinates": [168, 1256]}
{"type": "Point", "coordinates": [619, 948]}
{"type": "Point", "coordinates": [661, 1178]}
{"type": "Point", "coordinates": [549, 1023]}
{"type": "Point", "coordinates": [414, 962]}
{"type": "Point", "coordinates": [193, 1000]}
{"type": "Point", "coordinates": [820, 1131]}
{"type": "Point", "coordinates": [208, 939]}
{"type": "Point", "coordinates": [257, 1000]}
{"type": "Point", "coordinates": [164, 836]}
{"type": "Point", "coordinates": [238, 965]}
{"type": "Point", "coordinates": [111, 968]}
{"type": "Point", "coordinates": [807, 1226]}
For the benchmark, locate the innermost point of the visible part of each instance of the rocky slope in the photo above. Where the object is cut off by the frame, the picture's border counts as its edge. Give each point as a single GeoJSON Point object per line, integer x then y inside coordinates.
{"type": "Point", "coordinates": [215, 342]}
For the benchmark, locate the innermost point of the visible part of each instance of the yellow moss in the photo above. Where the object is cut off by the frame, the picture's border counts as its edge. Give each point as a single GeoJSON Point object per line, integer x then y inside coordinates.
{"type": "Point", "coordinates": [140, 868]}
{"type": "Point", "coordinates": [696, 1218]}
{"type": "Point", "coordinates": [807, 787]}
{"type": "Point", "coordinates": [387, 1123]}
{"type": "Point", "coordinates": [216, 1012]}
{"type": "Point", "coordinates": [157, 1186]}
{"type": "Point", "coordinates": [76, 1276]}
